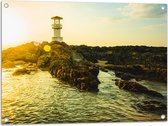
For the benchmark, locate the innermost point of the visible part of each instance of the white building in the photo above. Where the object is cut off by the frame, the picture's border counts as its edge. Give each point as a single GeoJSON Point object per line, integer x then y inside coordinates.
{"type": "Point", "coordinates": [57, 29]}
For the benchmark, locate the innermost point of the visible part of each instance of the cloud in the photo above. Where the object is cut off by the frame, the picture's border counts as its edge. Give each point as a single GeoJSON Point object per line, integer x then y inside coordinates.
{"type": "Point", "coordinates": [112, 20]}
{"type": "Point", "coordinates": [144, 10]}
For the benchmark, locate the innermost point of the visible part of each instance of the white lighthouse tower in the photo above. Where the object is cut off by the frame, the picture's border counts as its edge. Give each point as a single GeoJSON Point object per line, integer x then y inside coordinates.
{"type": "Point", "coordinates": [57, 29]}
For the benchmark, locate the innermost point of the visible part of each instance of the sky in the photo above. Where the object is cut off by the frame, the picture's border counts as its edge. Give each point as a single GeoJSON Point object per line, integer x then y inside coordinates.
{"type": "Point", "coordinates": [93, 24]}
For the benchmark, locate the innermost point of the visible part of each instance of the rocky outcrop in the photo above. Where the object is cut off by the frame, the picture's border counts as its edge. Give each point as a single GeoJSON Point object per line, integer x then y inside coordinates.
{"type": "Point", "coordinates": [21, 71]}
{"type": "Point", "coordinates": [69, 66]}
{"type": "Point", "coordinates": [124, 76]}
{"type": "Point", "coordinates": [152, 106]}
{"type": "Point", "coordinates": [83, 77]}
{"type": "Point", "coordinates": [142, 62]}
{"type": "Point", "coordinates": [26, 69]}
{"type": "Point", "coordinates": [137, 88]}
{"type": "Point", "coordinates": [138, 72]}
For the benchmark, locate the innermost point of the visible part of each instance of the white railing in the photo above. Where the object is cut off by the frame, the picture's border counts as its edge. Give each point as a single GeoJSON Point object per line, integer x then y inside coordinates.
{"type": "Point", "coordinates": [60, 39]}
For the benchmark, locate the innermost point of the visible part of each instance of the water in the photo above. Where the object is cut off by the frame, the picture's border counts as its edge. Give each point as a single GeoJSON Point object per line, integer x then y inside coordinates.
{"type": "Point", "coordinates": [40, 98]}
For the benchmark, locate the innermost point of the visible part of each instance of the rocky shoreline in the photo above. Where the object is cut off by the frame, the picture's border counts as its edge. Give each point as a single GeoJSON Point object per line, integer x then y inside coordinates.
{"type": "Point", "coordinates": [60, 60]}
{"type": "Point", "coordinates": [69, 66]}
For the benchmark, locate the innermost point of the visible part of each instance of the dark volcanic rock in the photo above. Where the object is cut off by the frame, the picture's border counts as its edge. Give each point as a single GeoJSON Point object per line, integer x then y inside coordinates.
{"type": "Point", "coordinates": [84, 78]}
{"type": "Point", "coordinates": [127, 72]}
{"type": "Point", "coordinates": [70, 66]}
{"type": "Point", "coordinates": [153, 106]}
{"type": "Point", "coordinates": [137, 88]}
{"type": "Point", "coordinates": [94, 70]}
{"type": "Point", "coordinates": [124, 76]}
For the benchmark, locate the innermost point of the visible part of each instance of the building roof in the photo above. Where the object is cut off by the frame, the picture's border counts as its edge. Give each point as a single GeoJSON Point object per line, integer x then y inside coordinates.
{"type": "Point", "coordinates": [56, 17]}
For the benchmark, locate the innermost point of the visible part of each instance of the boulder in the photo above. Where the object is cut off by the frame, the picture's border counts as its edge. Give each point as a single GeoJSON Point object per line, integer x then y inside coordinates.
{"type": "Point", "coordinates": [94, 70]}
{"type": "Point", "coordinates": [83, 86]}
{"type": "Point", "coordinates": [123, 75]}
{"type": "Point", "coordinates": [93, 85]}
{"type": "Point", "coordinates": [154, 93]}
{"type": "Point", "coordinates": [137, 88]}
{"type": "Point", "coordinates": [152, 106]}
{"type": "Point", "coordinates": [83, 80]}
{"type": "Point", "coordinates": [21, 71]}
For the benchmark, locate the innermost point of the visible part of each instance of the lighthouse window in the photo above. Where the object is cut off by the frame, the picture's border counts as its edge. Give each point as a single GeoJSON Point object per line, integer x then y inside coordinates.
{"type": "Point", "coordinates": [57, 22]}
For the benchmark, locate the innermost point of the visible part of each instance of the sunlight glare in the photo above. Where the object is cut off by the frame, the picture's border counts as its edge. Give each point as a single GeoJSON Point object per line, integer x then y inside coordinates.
{"type": "Point", "coordinates": [47, 48]}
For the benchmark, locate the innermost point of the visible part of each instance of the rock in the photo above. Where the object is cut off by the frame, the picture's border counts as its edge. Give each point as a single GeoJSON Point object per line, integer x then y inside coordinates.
{"type": "Point", "coordinates": [27, 69]}
{"type": "Point", "coordinates": [137, 88]}
{"type": "Point", "coordinates": [130, 86]}
{"type": "Point", "coordinates": [154, 93]}
{"type": "Point", "coordinates": [70, 66]}
{"type": "Point", "coordinates": [124, 76]}
{"type": "Point", "coordinates": [94, 70]}
{"type": "Point", "coordinates": [153, 106]}
{"type": "Point", "coordinates": [136, 70]}
{"type": "Point", "coordinates": [21, 72]}
{"type": "Point", "coordinates": [94, 85]}
{"type": "Point", "coordinates": [139, 72]}
{"type": "Point", "coordinates": [83, 77]}
{"type": "Point", "coordinates": [8, 64]}
{"type": "Point", "coordinates": [83, 86]}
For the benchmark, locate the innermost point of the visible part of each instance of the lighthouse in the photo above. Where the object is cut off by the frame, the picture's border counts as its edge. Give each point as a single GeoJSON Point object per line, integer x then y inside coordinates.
{"type": "Point", "coordinates": [57, 29]}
